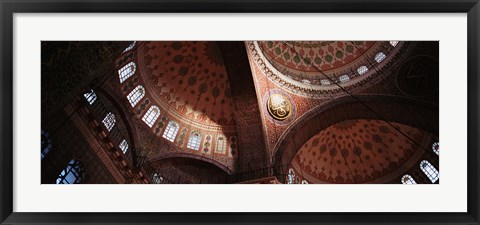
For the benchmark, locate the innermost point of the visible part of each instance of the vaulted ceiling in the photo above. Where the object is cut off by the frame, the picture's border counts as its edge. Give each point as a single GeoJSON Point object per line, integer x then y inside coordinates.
{"type": "Point", "coordinates": [333, 111]}
{"type": "Point", "coordinates": [222, 89]}
{"type": "Point", "coordinates": [189, 78]}
{"type": "Point", "coordinates": [360, 151]}
{"type": "Point", "coordinates": [323, 62]}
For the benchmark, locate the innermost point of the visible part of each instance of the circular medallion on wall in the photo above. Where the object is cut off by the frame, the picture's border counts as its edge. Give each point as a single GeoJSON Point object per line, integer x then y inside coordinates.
{"type": "Point", "coordinates": [418, 76]}
{"type": "Point", "coordinates": [280, 106]}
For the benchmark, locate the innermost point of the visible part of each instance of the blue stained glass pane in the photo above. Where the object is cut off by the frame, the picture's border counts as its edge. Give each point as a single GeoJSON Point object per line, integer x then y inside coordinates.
{"type": "Point", "coordinates": [72, 174]}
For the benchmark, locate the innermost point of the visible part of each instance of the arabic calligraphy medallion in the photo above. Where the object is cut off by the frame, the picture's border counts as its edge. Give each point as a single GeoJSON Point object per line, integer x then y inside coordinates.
{"type": "Point", "coordinates": [279, 107]}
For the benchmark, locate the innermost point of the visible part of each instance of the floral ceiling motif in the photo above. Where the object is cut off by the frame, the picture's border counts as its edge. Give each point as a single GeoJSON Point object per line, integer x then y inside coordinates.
{"type": "Point", "coordinates": [359, 151]}
{"type": "Point", "coordinates": [187, 85]}
{"type": "Point", "coordinates": [300, 57]}
{"type": "Point", "coordinates": [313, 68]}
{"type": "Point", "coordinates": [190, 78]}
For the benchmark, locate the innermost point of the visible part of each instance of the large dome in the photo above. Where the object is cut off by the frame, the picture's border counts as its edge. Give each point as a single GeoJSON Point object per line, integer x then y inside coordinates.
{"type": "Point", "coordinates": [359, 151]}
{"type": "Point", "coordinates": [186, 83]}
{"type": "Point", "coordinates": [190, 80]}
{"type": "Point", "coordinates": [300, 66]}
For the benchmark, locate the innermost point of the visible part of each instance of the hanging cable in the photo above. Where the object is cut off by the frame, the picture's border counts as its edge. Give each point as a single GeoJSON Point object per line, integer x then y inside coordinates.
{"type": "Point", "coordinates": [407, 106]}
{"type": "Point", "coordinates": [364, 104]}
{"type": "Point", "coordinates": [373, 65]}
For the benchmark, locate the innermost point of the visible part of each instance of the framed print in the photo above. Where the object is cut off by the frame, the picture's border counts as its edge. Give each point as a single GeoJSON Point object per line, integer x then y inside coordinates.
{"type": "Point", "coordinates": [239, 112]}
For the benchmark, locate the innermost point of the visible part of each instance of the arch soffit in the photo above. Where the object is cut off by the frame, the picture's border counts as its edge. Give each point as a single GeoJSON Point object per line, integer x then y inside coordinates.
{"type": "Point", "coordinates": [192, 156]}
{"type": "Point", "coordinates": [392, 108]}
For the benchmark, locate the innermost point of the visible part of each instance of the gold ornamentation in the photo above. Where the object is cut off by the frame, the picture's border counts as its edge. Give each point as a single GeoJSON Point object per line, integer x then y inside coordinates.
{"type": "Point", "coordinates": [279, 107]}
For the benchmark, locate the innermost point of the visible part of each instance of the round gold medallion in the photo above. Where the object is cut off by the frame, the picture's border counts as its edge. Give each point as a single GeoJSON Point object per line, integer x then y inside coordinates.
{"type": "Point", "coordinates": [279, 107]}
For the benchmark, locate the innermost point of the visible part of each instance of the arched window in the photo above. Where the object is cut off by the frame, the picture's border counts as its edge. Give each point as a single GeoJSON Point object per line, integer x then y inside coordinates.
{"type": "Point", "coordinates": [194, 140]}
{"type": "Point", "coordinates": [344, 78]}
{"type": "Point", "coordinates": [362, 70]}
{"type": "Point", "coordinates": [123, 146]}
{"type": "Point", "coordinates": [130, 46]}
{"type": "Point", "coordinates": [157, 178]}
{"type": "Point", "coordinates": [436, 148]}
{"type": "Point", "coordinates": [126, 71]}
{"type": "Point", "coordinates": [91, 97]}
{"type": "Point", "coordinates": [221, 144]}
{"type": "Point", "coordinates": [379, 57]}
{"type": "Point", "coordinates": [304, 182]}
{"type": "Point", "coordinates": [393, 43]}
{"type": "Point", "coordinates": [46, 143]}
{"type": "Point", "coordinates": [109, 121]}
{"type": "Point", "coordinates": [171, 131]}
{"type": "Point", "coordinates": [306, 81]}
{"type": "Point", "coordinates": [73, 174]}
{"type": "Point", "coordinates": [136, 95]}
{"type": "Point", "coordinates": [291, 176]}
{"type": "Point", "coordinates": [429, 170]}
{"type": "Point", "coordinates": [325, 82]}
{"type": "Point", "coordinates": [407, 179]}
{"type": "Point", "coordinates": [151, 116]}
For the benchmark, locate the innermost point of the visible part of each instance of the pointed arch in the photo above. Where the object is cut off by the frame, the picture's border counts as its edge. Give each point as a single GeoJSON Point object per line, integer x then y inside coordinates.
{"type": "Point", "coordinates": [392, 108]}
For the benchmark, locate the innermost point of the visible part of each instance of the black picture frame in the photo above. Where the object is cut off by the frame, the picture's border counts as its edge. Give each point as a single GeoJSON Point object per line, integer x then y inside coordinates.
{"type": "Point", "coordinates": [9, 7]}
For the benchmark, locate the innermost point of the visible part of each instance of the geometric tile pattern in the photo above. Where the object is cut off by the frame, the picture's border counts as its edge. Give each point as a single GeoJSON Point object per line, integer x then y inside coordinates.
{"type": "Point", "coordinates": [326, 55]}
{"type": "Point", "coordinates": [310, 61]}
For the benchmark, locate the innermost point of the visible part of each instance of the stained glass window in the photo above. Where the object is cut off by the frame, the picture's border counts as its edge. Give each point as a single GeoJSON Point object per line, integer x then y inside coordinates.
{"type": "Point", "coordinates": [325, 82]}
{"type": "Point", "coordinates": [379, 57]}
{"type": "Point", "coordinates": [91, 97]}
{"type": "Point", "coordinates": [407, 179]}
{"type": "Point", "coordinates": [344, 78]}
{"type": "Point", "coordinates": [46, 143]}
{"type": "Point", "coordinates": [291, 176]}
{"type": "Point", "coordinates": [194, 140]}
{"type": "Point", "coordinates": [393, 43]}
{"type": "Point", "coordinates": [305, 81]}
{"type": "Point", "coordinates": [109, 121]}
{"type": "Point", "coordinates": [436, 148]}
{"type": "Point", "coordinates": [429, 170]}
{"type": "Point", "coordinates": [126, 71]}
{"type": "Point", "coordinates": [73, 174]}
{"type": "Point", "coordinates": [362, 70]}
{"type": "Point", "coordinates": [136, 95]}
{"type": "Point", "coordinates": [157, 179]}
{"type": "Point", "coordinates": [123, 146]}
{"type": "Point", "coordinates": [221, 144]}
{"type": "Point", "coordinates": [171, 131]}
{"type": "Point", "coordinates": [304, 182]}
{"type": "Point", "coordinates": [151, 116]}
{"type": "Point", "coordinates": [130, 47]}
